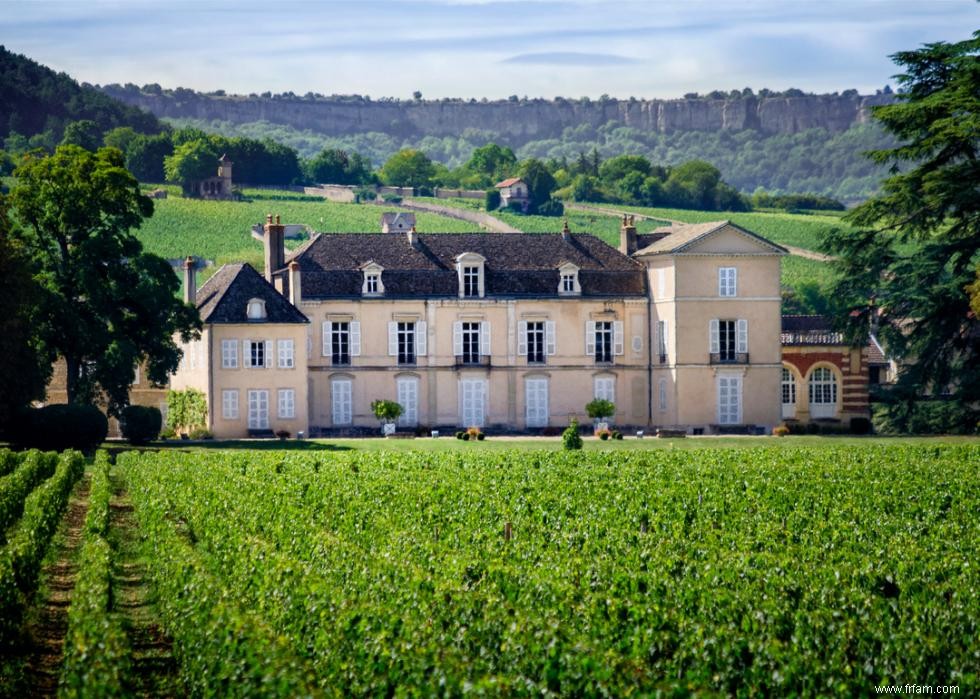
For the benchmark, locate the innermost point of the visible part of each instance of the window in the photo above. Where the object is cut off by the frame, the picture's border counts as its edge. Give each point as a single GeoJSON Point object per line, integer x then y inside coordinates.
{"type": "Point", "coordinates": [729, 341]}
{"type": "Point", "coordinates": [471, 341]}
{"type": "Point", "coordinates": [605, 388]}
{"type": "Point", "coordinates": [662, 340]}
{"type": "Point", "coordinates": [406, 343]}
{"type": "Point", "coordinates": [136, 375]}
{"type": "Point", "coordinates": [604, 339]}
{"type": "Point", "coordinates": [371, 284]}
{"type": "Point", "coordinates": [568, 282]}
{"type": "Point", "coordinates": [471, 281]}
{"type": "Point", "coordinates": [287, 403]}
{"type": "Point", "coordinates": [823, 393]}
{"type": "Point", "coordinates": [258, 410]}
{"type": "Point", "coordinates": [788, 390]}
{"type": "Point", "coordinates": [407, 389]}
{"type": "Point", "coordinates": [788, 387]}
{"type": "Point", "coordinates": [229, 354]}
{"type": "Point", "coordinates": [729, 400]}
{"type": "Point", "coordinates": [286, 354]}
{"type": "Point", "coordinates": [727, 281]}
{"type": "Point", "coordinates": [473, 402]}
{"type": "Point", "coordinates": [663, 394]}
{"type": "Point", "coordinates": [535, 342]}
{"type": "Point", "coordinates": [342, 402]}
{"type": "Point", "coordinates": [256, 309]}
{"type": "Point", "coordinates": [536, 402]}
{"type": "Point", "coordinates": [407, 340]}
{"type": "Point", "coordinates": [661, 283]}
{"type": "Point", "coordinates": [341, 341]}
{"type": "Point", "coordinates": [229, 405]}
{"type": "Point", "coordinates": [256, 353]}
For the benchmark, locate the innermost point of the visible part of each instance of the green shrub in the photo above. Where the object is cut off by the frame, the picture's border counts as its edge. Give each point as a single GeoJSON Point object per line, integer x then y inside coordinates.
{"type": "Point", "coordinates": [552, 207]}
{"type": "Point", "coordinates": [140, 423]}
{"type": "Point", "coordinates": [168, 433]}
{"type": "Point", "coordinates": [570, 438]}
{"type": "Point", "coordinates": [61, 427]}
{"type": "Point", "coordinates": [201, 433]}
{"type": "Point", "coordinates": [460, 434]}
{"type": "Point", "coordinates": [924, 417]}
{"type": "Point", "coordinates": [481, 436]}
{"type": "Point", "coordinates": [616, 434]}
{"type": "Point", "coordinates": [860, 425]}
{"type": "Point", "coordinates": [186, 410]}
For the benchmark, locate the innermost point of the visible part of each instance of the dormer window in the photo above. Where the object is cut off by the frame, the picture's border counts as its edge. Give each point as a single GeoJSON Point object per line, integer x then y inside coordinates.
{"type": "Point", "coordinates": [568, 280]}
{"type": "Point", "coordinates": [470, 268]}
{"type": "Point", "coordinates": [372, 285]}
{"type": "Point", "coordinates": [256, 310]}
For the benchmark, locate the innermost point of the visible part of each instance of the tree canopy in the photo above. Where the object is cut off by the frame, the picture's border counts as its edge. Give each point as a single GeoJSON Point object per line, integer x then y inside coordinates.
{"type": "Point", "coordinates": [909, 266]}
{"type": "Point", "coordinates": [103, 304]}
{"type": "Point", "coordinates": [408, 168]}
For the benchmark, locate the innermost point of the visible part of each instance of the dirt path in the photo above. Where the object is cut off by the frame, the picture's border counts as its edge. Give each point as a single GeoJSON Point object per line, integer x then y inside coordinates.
{"type": "Point", "coordinates": [153, 671]}
{"type": "Point", "coordinates": [47, 620]}
{"type": "Point", "coordinates": [490, 223]}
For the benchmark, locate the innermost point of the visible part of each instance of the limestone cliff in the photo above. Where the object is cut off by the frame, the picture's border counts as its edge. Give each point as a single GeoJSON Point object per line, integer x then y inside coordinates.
{"type": "Point", "coordinates": [514, 121]}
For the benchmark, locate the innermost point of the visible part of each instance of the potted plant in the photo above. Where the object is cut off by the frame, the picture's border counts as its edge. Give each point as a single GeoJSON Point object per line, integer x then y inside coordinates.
{"type": "Point", "coordinates": [387, 411]}
{"type": "Point", "coordinates": [598, 410]}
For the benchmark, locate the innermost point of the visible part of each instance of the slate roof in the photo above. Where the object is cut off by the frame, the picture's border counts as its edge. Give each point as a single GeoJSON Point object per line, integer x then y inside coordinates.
{"type": "Point", "coordinates": [517, 264]}
{"type": "Point", "coordinates": [224, 297]}
{"type": "Point", "coordinates": [809, 330]}
{"type": "Point", "coordinates": [398, 219]}
{"type": "Point", "coordinates": [679, 237]}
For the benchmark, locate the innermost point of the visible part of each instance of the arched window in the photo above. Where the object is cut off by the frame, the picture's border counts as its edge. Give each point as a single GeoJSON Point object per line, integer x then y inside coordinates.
{"type": "Point", "coordinates": [789, 394]}
{"type": "Point", "coordinates": [823, 393]}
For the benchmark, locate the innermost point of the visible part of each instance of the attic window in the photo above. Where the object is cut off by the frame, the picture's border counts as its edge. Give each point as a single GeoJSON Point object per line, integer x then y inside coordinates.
{"type": "Point", "coordinates": [568, 280]}
{"type": "Point", "coordinates": [256, 309]}
{"type": "Point", "coordinates": [372, 284]}
{"type": "Point", "coordinates": [470, 270]}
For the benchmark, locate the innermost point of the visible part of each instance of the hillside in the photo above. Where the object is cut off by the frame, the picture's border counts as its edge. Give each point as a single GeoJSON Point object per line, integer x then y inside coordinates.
{"type": "Point", "coordinates": [791, 142]}
{"type": "Point", "coordinates": [35, 99]}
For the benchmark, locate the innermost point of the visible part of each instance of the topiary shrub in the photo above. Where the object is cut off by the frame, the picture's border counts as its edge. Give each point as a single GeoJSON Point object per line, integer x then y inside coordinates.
{"type": "Point", "coordinates": [140, 424]}
{"type": "Point", "coordinates": [616, 434]}
{"type": "Point", "coordinates": [492, 199]}
{"type": "Point", "coordinates": [460, 434]}
{"type": "Point", "coordinates": [480, 437]}
{"type": "Point", "coordinates": [60, 427]}
{"type": "Point", "coordinates": [570, 438]}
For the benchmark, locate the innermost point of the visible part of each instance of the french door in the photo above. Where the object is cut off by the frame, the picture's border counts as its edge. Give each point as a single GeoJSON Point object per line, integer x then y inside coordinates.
{"type": "Point", "coordinates": [258, 409]}
{"type": "Point", "coordinates": [729, 400]}
{"type": "Point", "coordinates": [473, 399]}
{"type": "Point", "coordinates": [536, 402]}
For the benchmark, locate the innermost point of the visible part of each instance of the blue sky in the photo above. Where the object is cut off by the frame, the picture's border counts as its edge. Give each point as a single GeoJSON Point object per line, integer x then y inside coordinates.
{"type": "Point", "coordinates": [482, 48]}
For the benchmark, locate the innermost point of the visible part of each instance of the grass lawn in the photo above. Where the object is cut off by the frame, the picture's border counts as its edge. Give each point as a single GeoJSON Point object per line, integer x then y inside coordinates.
{"type": "Point", "coordinates": [630, 443]}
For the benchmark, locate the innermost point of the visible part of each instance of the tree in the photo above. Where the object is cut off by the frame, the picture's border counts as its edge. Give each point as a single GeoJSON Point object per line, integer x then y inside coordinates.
{"type": "Point", "coordinates": [26, 360]}
{"type": "Point", "coordinates": [104, 305]}
{"type": "Point", "coordinates": [540, 183]}
{"type": "Point", "coordinates": [908, 264]}
{"type": "Point", "coordinates": [120, 137]}
{"type": "Point", "coordinates": [492, 163]}
{"type": "Point", "coordinates": [85, 134]}
{"type": "Point", "coordinates": [387, 411]}
{"type": "Point", "coordinates": [408, 168]}
{"type": "Point", "coordinates": [600, 408]}
{"type": "Point", "coordinates": [145, 156]}
{"type": "Point", "coordinates": [192, 161]}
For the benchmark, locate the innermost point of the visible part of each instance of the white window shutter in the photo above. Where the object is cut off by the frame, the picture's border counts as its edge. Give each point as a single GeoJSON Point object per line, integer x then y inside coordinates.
{"type": "Point", "coordinates": [742, 336]}
{"type": "Point", "coordinates": [522, 337]}
{"type": "Point", "coordinates": [618, 342]}
{"type": "Point", "coordinates": [733, 281]}
{"type": "Point", "coordinates": [421, 338]}
{"type": "Point", "coordinates": [246, 355]}
{"type": "Point", "coordinates": [327, 328]}
{"type": "Point", "coordinates": [549, 338]}
{"type": "Point", "coordinates": [267, 355]}
{"type": "Point", "coordinates": [589, 337]}
{"type": "Point", "coordinates": [392, 339]}
{"type": "Point", "coordinates": [457, 338]}
{"type": "Point", "coordinates": [485, 338]}
{"type": "Point", "coordinates": [355, 338]}
{"type": "Point", "coordinates": [722, 281]}
{"type": "Point", "coordinates": [714, 345]}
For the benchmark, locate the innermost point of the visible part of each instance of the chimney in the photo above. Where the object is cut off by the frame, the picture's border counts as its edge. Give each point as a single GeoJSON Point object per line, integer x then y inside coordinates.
{"type": "Point", "coordinates": [274, 241]}
{"type": "Point", "coordinates": [413, 238]}
{"type": "Point", "coordinates": [295, 291]}
{"type": "Point", "coordinates": [190, 281]}
{"type": "Point", "coordinates": [566, 234]}
{"type": "Point", "coordinates": [627, 236]}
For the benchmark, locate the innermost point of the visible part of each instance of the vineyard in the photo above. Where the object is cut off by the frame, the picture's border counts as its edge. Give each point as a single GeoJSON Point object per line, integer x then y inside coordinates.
{"type": "Point", "coordinates": [753, 572]}
{"type": "Point", "coordinates": [221, 230]}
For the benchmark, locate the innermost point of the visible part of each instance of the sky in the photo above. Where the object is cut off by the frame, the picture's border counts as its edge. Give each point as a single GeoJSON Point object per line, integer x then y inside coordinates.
{"type": "Point", "coordinates": [482, 48]}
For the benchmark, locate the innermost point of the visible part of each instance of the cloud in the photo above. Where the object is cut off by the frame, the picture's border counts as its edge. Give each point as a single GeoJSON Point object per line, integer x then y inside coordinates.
{"type": "Point", "coordinates": [570, 58]}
